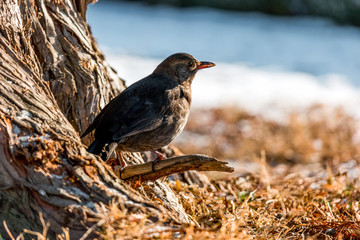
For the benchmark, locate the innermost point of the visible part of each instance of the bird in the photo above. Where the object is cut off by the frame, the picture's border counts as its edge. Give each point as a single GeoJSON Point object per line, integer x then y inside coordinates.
{"type": "Point", "coordinates": [150, 113]}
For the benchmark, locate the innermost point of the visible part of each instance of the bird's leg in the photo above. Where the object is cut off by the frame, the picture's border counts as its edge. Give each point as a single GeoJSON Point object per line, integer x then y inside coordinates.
{"type": "Point", "coordinates": [122, 162]}
{"type": "Point", "coordinates": [159, 157]}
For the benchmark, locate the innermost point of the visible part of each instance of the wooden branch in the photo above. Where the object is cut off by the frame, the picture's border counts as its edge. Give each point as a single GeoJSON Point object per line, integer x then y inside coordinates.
{"type": "Point", "coordinates": [174, 165]}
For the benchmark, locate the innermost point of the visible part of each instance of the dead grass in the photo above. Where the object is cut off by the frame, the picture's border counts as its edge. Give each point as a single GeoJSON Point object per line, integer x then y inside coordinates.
{"type": "Point", "coordinates": [320, 206]}
{"type": "Point", "coordinates": [318, 135]}
{"type": "Point", "coordinates": [245, 207]}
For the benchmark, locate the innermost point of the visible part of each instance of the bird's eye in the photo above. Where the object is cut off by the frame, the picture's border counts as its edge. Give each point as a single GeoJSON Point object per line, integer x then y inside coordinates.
{"type": "Point", "coordinates": [190, 64]}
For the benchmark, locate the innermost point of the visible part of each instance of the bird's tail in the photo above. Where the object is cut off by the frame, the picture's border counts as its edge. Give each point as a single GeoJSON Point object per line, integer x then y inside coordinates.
{"type": "Point", "coordinates": [100, 148]}
{"type": "Point", "coordinates": [96, 147]}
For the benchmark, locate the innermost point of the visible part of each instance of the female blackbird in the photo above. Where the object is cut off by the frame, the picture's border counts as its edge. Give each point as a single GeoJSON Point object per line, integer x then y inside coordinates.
{"type": "Point", "coordinates": [150, 113]}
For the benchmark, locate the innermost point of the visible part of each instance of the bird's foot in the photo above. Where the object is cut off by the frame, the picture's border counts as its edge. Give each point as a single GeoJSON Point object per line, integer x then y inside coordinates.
{"type": "Point", "coordinates": [123, 163]}
{"type": "Point", "coordinates": [159, 157]}
{"type": "Point", "coordinates": [118, 164]}
{"type": "Point", "coordinates": [153, 164]}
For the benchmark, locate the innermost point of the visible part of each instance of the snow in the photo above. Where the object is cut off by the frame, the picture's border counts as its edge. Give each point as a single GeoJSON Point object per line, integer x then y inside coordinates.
{"type": "Point", "coordinates": [265, 64]}
{"type": "Point", "coordinates": [24, 114]}
{"type": "Point", "coordinates": [26, 140]}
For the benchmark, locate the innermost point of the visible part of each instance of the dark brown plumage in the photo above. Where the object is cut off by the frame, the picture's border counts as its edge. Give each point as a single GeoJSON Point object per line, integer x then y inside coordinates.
{"type": "Point", "coordinates": [150, 113]}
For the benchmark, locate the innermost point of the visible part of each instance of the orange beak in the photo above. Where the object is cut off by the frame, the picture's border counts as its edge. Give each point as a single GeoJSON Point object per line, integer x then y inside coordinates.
{"type": "Point", "coordinates": [205, 65]}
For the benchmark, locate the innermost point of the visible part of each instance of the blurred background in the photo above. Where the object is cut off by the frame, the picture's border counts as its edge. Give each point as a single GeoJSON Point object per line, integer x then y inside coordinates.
{"type": "Point", "coordinates": [287, 75]}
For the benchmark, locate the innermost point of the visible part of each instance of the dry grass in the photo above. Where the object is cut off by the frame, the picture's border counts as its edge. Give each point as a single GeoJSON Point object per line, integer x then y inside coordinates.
{"type": "Point", "coordinates": [295, 208]}
{"type": "Point", "coordinates": [318, 135]}
{"type": "Point", "coordinates": [320, 206]}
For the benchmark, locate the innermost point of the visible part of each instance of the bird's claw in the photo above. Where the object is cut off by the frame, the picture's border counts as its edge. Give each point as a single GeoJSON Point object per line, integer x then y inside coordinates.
{"type": "Point", "coordinates": [153, 164]}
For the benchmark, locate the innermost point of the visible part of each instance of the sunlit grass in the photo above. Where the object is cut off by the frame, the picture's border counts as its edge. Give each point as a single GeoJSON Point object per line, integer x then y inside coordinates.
{"type": "Point", "coordinates": [318, 135]}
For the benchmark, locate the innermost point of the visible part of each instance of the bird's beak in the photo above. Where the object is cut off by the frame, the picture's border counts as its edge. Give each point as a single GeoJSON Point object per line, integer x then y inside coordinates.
{"type": "Point", "coordinates": [205, 65]}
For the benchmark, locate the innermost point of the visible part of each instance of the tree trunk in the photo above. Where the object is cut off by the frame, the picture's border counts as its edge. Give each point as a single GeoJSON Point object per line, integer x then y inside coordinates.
{"type": "Point", "coordinates": [53, 81]}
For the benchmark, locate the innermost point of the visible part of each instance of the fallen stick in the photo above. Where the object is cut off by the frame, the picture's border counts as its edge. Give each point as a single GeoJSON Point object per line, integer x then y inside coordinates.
{"type": "Point", "coordinates": [174, 165]}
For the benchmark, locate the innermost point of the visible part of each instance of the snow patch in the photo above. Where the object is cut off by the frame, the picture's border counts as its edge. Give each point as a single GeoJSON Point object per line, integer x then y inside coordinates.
{"type": "Point", "coordinates": [15, 129]}
{"type": "Point", "coordinates": [25, 114]}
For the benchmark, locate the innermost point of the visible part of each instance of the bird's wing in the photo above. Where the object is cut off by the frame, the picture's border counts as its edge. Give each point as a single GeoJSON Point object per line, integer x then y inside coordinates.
{"type": "Point", "coordinates": [143, 117]}
{"type": "Point", "coordinates": [97, 119]}
{"type": "Point", "coordinates": [139, 108]}
{"type": "Point", "coordinates": [143, 125]}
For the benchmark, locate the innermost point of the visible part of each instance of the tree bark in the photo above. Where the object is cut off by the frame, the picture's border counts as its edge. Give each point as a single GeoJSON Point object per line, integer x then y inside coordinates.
{"type": "Point", "coordinates": [53, 82]}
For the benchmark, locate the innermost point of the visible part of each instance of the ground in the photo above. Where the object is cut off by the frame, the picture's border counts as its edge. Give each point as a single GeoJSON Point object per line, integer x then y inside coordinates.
{"type": "Point", "coordinates": [298, 179]}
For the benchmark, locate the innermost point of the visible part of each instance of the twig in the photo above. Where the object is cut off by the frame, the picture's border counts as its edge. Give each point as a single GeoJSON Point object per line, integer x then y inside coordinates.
{"type": "Point", "coordinates": [174, 165]}
{"type": "Point", "coordinates": [8, 230]}
{"type": "Point", "coordinates": [101, 222]}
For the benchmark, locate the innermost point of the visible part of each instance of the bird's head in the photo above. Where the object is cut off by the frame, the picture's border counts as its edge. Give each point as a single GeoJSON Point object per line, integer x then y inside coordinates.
{"type": "Point", "coordinates": [182, 67]}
